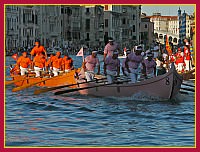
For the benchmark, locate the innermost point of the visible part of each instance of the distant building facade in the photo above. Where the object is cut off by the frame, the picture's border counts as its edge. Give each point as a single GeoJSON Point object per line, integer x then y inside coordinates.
{"type": "Point", "coordinates": [176, 27]}
{"type": "Point", "coordinates": [73, 25]}
{"type": "Point", "coordinates": [147, 31]}
{"type": "Point", "coordinates": [12, 27]}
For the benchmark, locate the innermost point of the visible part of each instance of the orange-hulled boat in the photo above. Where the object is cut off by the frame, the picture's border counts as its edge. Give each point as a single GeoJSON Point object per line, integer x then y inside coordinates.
{"type": "Point", "coordinates": [47, 81]}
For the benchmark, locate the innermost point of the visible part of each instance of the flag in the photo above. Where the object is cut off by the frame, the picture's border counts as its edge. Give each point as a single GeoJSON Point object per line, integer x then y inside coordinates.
{"type": "Point", "coordinates": [167, 46]}
{"type": "Point", "coordinates": [14, 56]}
{"type": "Point", "coordinates": [80, 53]}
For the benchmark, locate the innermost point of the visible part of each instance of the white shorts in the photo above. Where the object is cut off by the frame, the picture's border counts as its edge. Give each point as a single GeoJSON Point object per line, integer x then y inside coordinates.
{"type": "Point", "coordinates": [37, 71]}
{"type": "Point", "coordinates": [23, 70]}
{"type": "Point", "coordinates": [89, 75]}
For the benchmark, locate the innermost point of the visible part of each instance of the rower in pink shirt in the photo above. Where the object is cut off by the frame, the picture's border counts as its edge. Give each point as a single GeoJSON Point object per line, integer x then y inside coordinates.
{"type": "Point", "coordinates": [89, 65]}
{"type": "Point", "coordinates": [124, 69]}
{"type": "Point", "coordinates": [112, 67]}
{"type": "Point", "coordinates": [110, 48]}
{"type": "Point", "coordinates": [149, 65]}
{"type": "Point", "coordinates": [132, 63]}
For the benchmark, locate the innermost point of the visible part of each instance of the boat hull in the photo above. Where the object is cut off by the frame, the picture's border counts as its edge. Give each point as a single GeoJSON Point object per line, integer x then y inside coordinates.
{"type": "Point", "coordinates": [65, 78]}
{"type": "Point", "coordinates": [164, 86]}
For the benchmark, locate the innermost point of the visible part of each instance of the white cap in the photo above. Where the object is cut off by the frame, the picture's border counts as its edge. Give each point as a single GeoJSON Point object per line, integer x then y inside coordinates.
{"type": "Point", "coordinates": [95, 52]}
{"type": "Point", "coordinates": [149, 54]}
{"type": "Point", "coordinates": [115, 52]}
{"type": "Point", "coordinates": [138, 48]}
{"type": "Point", "coordinates": [128, 51]}
{"type": "Point", "coordinates": [186, 43]}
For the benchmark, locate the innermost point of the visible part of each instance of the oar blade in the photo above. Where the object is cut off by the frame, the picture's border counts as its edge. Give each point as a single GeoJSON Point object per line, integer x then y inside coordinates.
{"type": "Point", "coordinates": [88, 87]}
{"type": "Point", "coordinates": [43, 90]}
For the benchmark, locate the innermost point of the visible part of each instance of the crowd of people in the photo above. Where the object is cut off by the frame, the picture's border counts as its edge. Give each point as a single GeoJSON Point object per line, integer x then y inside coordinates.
{"type": "Point", "coordinates": [137, 64]}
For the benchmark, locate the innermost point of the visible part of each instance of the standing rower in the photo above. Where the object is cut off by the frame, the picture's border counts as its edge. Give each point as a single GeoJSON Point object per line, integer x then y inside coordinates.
{"type": "Point", "coordinates": [39, 63]}
{"type": "Point", "coordinates": [124, 69]}
{"type": "Point", "coordinates": [56, 63]}
{"type": "Point", "coordinates": [89, 65]}
{"type": "Point", "coordinates": [149, 65]}
{"type": "Point", "coordinates": [23, 62]}
{"type": "Point", "coordinates": [112, 67]}
{"type": "Point", "coordinates": [132, 63]}
{"type": "Point", "coordinates": [110, 48]}
{"type": "Point", "coordinates": [38, 49]}
{"type": "Point", "coordinates": [67, 63]}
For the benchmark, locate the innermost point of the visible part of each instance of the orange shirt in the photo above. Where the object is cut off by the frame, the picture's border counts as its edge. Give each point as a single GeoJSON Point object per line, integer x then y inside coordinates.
{"type": "Point", "coordinates": [39, 61]}
{"type": "Point", "coordinates": [67, 63]}
{"type": "Point", "coordinates": [24, 62]}
{"type": "Point", "coordinates": [56, 62]}
{"type": "Point", "coordinates": [49, 61]}
{"type": "Point", "coordinates": [37, 50]}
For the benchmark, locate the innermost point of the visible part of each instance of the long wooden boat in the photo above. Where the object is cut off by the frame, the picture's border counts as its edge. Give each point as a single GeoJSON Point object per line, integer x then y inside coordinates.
{"type": "Point", "coordinates": [64, 78]}
{"type": "Point", "coordinates": [164, 86]}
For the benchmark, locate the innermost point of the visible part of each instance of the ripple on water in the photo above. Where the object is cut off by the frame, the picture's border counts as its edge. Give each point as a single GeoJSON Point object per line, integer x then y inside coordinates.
{"type": "Point", "coordinates": [77, 120]}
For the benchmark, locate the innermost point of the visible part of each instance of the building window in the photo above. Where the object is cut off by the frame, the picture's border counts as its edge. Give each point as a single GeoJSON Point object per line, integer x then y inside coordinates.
{"type": "Point", "coordinates": [133, 28]}
{"type": "Point", "coordinates": [134, 37]}
{"type": "Point", "coordinates": [124, 10]}
{"type": "Point", "coordinates": [87, 10]}
{"type": "Point", "coordinates": [62, 10]}
{"type": "Point", "coordinates": [87, 24]}
{"type": "Point", "coordinates": [106, 7]}
{"type": "Point", "coordinates": [51, 27]}
{"type": "Point", "coordinates": [123, 21]}
{"type": "Point", "coordinates": [106, 22]}
{"type": "Point", "coordinates": [145, 25]}
{"type": "Point", "coordinates": [88, 37]}
{"type": "Point", "coordinates": [69, 11]}
{"type": "Point", "coordinates": [133, 17]}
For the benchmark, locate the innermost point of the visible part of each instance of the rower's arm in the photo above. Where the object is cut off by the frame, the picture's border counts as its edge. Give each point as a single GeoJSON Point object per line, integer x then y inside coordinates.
{"type": "Point", "coordinates": [98, 72]}
{"type": "Point", "coordinates": [144, 68]}
{"type": "Point", "coordinates": [104, 56]}
{"type": "Point", "coordinates": [118, 70]}
{"type": "Point", "coordinates": [104, 67]}
{"type": "Point", "coordinates": [126, 65]}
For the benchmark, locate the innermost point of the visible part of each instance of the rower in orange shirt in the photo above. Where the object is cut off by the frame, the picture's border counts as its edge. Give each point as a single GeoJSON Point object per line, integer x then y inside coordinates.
{"type": "Point", "coordinates": [38, 49]}
{"type": "Point", "coordinates": [39, 63]}
{"type": "Point", "coordinates": [23, 62]}
{"type": "Point", "coordinates": [67, 63]}
{"type": "Point", "coordinates": [48, 63]}
{"type": "Point", "coordinates": [56, 63]}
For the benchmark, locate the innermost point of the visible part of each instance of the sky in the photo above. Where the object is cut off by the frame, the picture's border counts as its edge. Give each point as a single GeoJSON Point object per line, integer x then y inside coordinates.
{"type": "Point", "coordinates": [165, 10]}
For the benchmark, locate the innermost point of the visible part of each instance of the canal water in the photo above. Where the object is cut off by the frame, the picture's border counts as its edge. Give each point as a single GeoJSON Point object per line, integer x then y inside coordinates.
{"type": "Point", "coordinates": [76, 120]}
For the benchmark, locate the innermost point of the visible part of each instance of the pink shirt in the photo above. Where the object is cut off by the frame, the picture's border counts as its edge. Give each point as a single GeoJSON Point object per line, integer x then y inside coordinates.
{"type": "Point", "coordinates": [91, 62]}
{"type": "Point", "coordinates": [110, 48]}
{"type": "Point", "coordinates": [112, 64]}
{"type": "Point", "coordinates": [134, 60]}
{"type": "Point", "coordinates": [150, 65]}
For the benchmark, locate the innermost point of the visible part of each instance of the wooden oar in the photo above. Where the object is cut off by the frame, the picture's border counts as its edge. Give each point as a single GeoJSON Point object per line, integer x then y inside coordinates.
{"type": "Point", "coordinates": [63, 86]}
{"type": "Point", "coordinates": [188, 89]}
{"type": "Point", "coordinates": [18, 80]}
{"type": "Point", "coordinates": [89, 87]}
{"type": "Point", "coordinates": [13, 76]}
{"type": "Point", "coordinates": [188, 85]}
{"type": "Point", "coordinates": [34, 83]}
